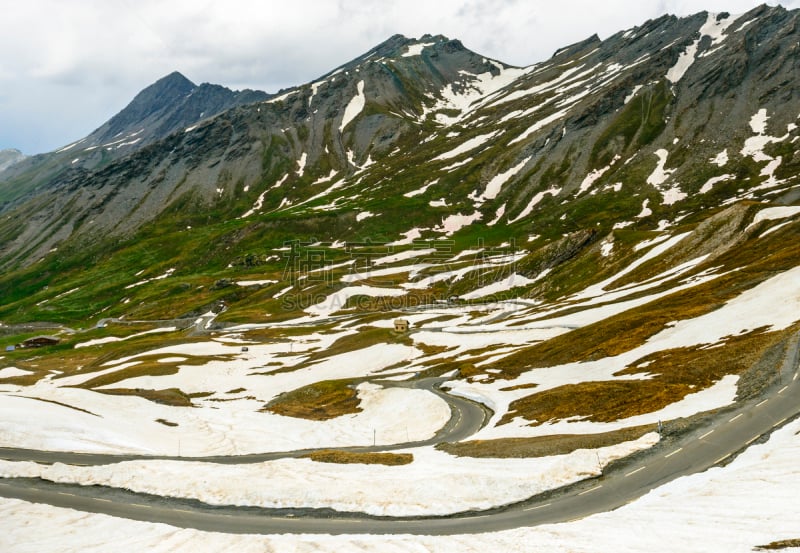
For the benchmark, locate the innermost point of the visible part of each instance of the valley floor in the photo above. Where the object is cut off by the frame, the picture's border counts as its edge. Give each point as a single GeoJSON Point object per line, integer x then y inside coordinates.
{"type": "Point", "coordinates": [336, 377]}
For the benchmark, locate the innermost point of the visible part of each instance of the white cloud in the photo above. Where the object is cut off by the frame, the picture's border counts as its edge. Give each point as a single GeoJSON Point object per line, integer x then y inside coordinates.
{"type": "Point", "coordinates": [68, 66]}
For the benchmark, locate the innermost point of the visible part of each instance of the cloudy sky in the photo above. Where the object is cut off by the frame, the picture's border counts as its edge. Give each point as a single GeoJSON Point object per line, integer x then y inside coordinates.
{"type": "Point", "coordinates": [66, 67]}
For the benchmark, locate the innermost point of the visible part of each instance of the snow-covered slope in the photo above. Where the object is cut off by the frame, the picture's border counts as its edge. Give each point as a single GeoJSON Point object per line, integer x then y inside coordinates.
{"type": "Point", "coordinates": [588, 246]}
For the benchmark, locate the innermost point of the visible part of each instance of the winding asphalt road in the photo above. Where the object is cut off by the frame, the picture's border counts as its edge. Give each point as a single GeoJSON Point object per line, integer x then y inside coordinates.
{"type": "Point", "coordinates": [729, 432]}
{"type": "Point", "coordinates": [466, 418]}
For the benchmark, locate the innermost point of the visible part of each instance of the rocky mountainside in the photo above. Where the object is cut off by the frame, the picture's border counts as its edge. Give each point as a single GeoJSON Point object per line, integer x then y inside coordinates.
{"type": "Point", "coordinates": [602, 249]}
{"type": "Point", "coordinates": [171, 104]}
{"type": "Point", "coordinates": [678, 123]}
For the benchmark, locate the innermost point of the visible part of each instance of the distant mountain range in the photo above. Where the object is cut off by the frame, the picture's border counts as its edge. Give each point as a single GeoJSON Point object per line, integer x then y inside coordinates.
{"type": "Point", "coordinates": [677, 123]}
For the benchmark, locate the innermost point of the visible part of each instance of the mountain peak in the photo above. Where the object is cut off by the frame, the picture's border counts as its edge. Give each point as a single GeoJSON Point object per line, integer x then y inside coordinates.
{"type": "Point", "coordinates": [155, 98]}
{"type": "Point", "coordinates": [171, 103]}
{"type": "Point", "coordinates": [174, 79]}
{"type": "Point", "coordinates": [164, 90]}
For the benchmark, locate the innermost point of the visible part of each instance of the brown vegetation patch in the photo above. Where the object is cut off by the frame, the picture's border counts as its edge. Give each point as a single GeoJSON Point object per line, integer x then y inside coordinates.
{"type": "Point", "coordinates": [165, 422]}
{"type": "Point", "coordinates": [429, 350]}
{"type": "Point", "coordinates": [627, 330]}
{"type": "Point", "coordinates": [152, 368]}
{"type": "Point", "coordinates": [147, 366]}
{"type": "Point", "coordinates": [42, 363]}
{"type": "Point", "coordinates": [750, 263]}
{"type": "Point", "coordinates": [605, 401]}
{"type": "Point", "coordinates": [319, 401]}
{"type": "Point", "coordinates": [350, 457]}
{"type": "Point", "coordinates": [61, 404]}
{"type": "Point", "coordinates": [674, 374]}
{"type": "Point", "coordinates": [23, 379]}
{"type": "Point", "coordinates": [782, 544]}
{"type": "Point", "coordinates": [527, 386]}
{"type": "Point", "coordinates": [169, 396]}
{"type": "Point", "coordinates": [542, 446]}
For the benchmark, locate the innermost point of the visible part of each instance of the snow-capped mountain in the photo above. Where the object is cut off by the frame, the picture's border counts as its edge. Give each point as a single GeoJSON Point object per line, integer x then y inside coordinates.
{"type": "Point", "coordinates": [597, 256]}
{"type": "Point", "coordinates": [655, 127]}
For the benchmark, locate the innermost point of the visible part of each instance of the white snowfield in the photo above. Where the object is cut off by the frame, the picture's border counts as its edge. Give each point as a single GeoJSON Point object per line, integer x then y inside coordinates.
{"type": "Point", "coordinates": [225, 423]}
{"type": "Point", "coordinates": [748, 503]}
{"type": "Point", "coordinates": [766, 305]}
{"type": "Point", "coordinates": [53, 414]}
{"type": "Point", "coordinates": [230, 420]}
{"type": "Point", "coordinates": [434, 483]}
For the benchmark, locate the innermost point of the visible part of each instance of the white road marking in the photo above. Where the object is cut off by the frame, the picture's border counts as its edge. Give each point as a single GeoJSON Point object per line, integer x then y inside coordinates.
{"type": "Point", "coordinates": [722, 458]}
{"type": "Point", "coordinates": [591, 490]}
{"type": "Point", "coordinates": [780, 422]}
{"type": "Point", "coordinates": [667, 456]}
{"type": "Point", "coordinates": [102, 499]}
{"type": "Point", "coordinates": [736, 417]}
{"type": "Point", "coordinates": [762, 403]}
{"type": "Point", "coordinates": [635, 471]}
{"type": "Point", "coordinates": [751, 440]}
{"type": "Point", "coordinates": [783, 389]}
{"type": "Point", "coordinates": [537, 507]}
{"type": "Point", "coordinates": [706, 435]}
{"type": "Point", "coordinates": [794, 377]}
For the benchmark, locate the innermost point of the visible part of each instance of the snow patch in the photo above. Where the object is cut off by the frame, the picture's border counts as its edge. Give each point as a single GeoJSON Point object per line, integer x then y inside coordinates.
{"type": "Point", "coordinates": [713, 28]}
{"type": "Point", "coordinates": [453, 223]}
{"type": "Point", "coordinates": [498, 215]}
{"type": "Point", "coordinates": [594, 175]}
{"type": "Point", "coordinates": [646, 211]}
{"type": "Point", "coordinates": [538, 197]}
{"type": "Point", "coordinates": [466, 146]}
{"type": "Point", "coordinates": [714, 180]}
{"type": "Point", "coordinates": [421, 190]}
{"type": "Point", "coordinates": [496, 183]}
{"type": "Point", "coordinates": [758, 122]}
{"type": "Point", "coordinates": [416, 49]}
{"type": "Point", "coordinates": [721, 159]}
{"type": "Point", "coordinates": [630, 96]}
{"type": "Point", "coordinates": [354, 107]}
{"type": "Point", "coordinates": [672, 195]}
{"type": "Point", "coordinates": [540, 125]}
{"type": "Point", "coordinates": [301, 164]}
{"type": "Point", "coordinates": [11, 372]}
{"type": "Point", "coordinates": [660, 174]}
{"type": "Point", "coordinates": [774, 213]}
{"type": "Point", "coordinates": [408, 237]}
{"type": "Point", "coordinates": [513, 280]}
{"type": "Point", "coordinates": [168, 273]}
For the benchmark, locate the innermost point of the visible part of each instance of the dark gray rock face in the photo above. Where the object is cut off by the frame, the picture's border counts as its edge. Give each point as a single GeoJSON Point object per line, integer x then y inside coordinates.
{"type": "Point", "coordinates": [170, 104]}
